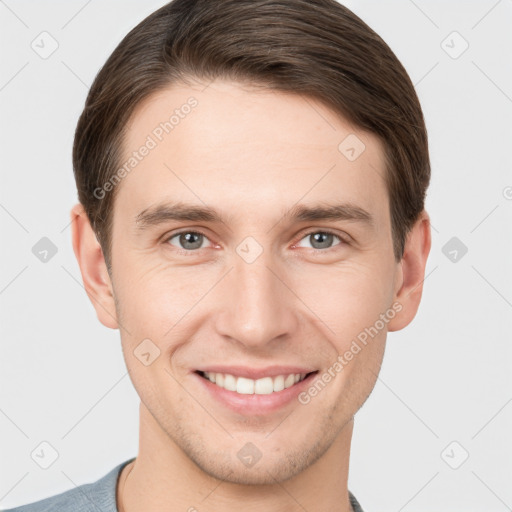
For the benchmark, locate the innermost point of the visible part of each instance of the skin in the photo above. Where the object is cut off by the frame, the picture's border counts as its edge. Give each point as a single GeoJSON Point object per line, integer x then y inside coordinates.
{"type": "Point", "coordinates": [252, 155]}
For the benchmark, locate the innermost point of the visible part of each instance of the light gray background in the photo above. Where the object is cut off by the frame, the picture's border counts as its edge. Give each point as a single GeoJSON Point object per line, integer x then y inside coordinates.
{"type": "Point", "coordinates": [446, 377]}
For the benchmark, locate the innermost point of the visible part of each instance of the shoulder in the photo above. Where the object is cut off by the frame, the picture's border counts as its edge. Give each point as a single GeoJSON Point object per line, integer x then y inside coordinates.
{"type": "Point", "coordinates": [356, 507]}
{"type": "Point", "coordinates": [79, 499]}
{"type": "Point", "coordinates": [91, 497]}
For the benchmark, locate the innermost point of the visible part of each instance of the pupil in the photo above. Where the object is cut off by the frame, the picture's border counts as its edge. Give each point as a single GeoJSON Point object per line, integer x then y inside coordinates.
{"type": "Point", "coordinates": [322, 238]}
{"type": "Point", "coordinates": [187, 240]}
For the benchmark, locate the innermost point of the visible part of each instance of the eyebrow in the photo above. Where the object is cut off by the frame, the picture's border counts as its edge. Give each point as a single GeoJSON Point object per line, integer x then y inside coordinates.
{"type": "Point", "coordinates": [164, 212]}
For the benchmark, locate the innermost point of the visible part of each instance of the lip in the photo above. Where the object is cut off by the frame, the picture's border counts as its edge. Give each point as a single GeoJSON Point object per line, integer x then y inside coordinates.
{"type": "Point", "coordinates": [249, 405]}
{"type": "Point", "coordinates": [256, 373]}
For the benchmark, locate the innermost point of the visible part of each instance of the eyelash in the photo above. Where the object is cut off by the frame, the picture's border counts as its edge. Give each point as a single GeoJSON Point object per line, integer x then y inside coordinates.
{"type": "Point", "coordinates": [199, 232]}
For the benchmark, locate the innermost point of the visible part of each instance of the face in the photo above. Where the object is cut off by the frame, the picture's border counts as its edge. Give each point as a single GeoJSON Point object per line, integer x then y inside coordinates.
{"type": "Point", "coordinates": [260, 283]}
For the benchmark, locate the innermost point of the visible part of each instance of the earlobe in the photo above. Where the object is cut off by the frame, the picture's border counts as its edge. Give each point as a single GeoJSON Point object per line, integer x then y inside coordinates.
{"type": "Point", "coordinates": [93, 268]}
{"type": "Point", "coordinates": [409, 282]}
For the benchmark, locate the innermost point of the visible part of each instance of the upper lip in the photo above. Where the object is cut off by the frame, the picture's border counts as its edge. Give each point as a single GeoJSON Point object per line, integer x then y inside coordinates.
{"type": "Point", "coordinates": [256, 373]}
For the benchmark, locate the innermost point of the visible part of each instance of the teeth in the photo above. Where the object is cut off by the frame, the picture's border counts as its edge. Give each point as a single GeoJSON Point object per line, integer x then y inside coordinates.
{"type": "Point", "coordinates": [229, 382]}
{"type": "Point", "coordinates": [245, 386]}
{"type": "Point", "coordinates": [264, 386]}
{"type": "Point", "coordinates": [279, 383]}
{"type": "Point", "coordinates": [289, 381]}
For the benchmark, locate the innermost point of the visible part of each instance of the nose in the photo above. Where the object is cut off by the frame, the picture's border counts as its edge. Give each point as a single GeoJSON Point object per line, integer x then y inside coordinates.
{"type": "Point", "coordinates": [256, 306]}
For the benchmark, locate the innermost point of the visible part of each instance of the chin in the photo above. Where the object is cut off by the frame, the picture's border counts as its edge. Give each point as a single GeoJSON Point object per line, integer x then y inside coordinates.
{"type": "Point", "coordinates": [270, 468]}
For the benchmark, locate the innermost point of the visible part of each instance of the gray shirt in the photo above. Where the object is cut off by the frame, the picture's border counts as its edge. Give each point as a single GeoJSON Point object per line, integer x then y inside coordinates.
{"type": "Point", "coordinates": [99, 496]}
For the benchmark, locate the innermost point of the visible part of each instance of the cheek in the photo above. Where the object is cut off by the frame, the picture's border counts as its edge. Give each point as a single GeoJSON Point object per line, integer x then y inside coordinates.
{"type": "Point", "coordinates": [147, 293]}
{"type": "Point", "coordinates": [156, 303]}
{"type": "Point", "coordinates": [346, 298]}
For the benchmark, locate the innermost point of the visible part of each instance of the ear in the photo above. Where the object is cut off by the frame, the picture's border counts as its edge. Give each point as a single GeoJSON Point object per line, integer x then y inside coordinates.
{"type": "Point", "coordinates": [411, 273]}
{"type": "Point", "coordinates": [93, 268]}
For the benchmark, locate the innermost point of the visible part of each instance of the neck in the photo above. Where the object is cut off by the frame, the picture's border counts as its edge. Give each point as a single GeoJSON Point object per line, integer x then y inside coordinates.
{"type": "Point", "coordinates": [162, 474]}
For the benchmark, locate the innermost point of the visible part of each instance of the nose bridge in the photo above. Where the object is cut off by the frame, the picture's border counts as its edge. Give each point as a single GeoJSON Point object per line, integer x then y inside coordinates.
{"type": "Point", "coordinates": [258, 307]}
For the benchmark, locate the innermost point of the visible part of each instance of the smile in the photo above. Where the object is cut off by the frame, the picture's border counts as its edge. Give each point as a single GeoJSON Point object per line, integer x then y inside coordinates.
{"type": "Point", "coordinates": [262, 386]}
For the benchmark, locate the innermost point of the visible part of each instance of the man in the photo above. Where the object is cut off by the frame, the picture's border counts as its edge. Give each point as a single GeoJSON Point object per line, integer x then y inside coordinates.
{"type": "Point", "coordinates": [251, 177]}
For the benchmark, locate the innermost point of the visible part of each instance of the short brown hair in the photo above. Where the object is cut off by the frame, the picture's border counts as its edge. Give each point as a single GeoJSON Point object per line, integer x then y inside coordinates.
{"type": "Point", "coordinates": [318, 48]}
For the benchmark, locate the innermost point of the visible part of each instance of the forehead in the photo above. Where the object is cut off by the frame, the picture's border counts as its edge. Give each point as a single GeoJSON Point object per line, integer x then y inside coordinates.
{"type": "Point", "coordinates": [246, 150]}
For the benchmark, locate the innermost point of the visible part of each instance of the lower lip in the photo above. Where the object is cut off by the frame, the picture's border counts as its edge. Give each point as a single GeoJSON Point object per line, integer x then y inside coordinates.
{"type": "Point", "coordinates": [255, 404]}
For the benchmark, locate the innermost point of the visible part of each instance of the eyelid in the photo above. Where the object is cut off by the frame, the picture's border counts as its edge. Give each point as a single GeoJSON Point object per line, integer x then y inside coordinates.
{"type": "Point", "coordinates": [172, 234]}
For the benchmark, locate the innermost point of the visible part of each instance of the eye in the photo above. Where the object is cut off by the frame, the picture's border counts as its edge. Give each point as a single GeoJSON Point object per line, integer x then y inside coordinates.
{"type": "Point", "coordinates": [322, 239]}
{"type": "Point", "coordinates": [188, 240]}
